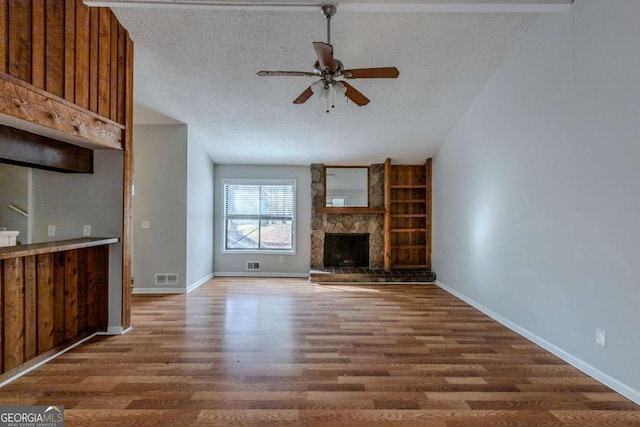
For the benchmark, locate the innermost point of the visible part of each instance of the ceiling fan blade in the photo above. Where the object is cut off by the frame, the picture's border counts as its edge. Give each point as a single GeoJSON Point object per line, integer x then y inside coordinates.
{"type": "Point", "coordinates": [325, 55]}
{"type": "Point", "coordinates": [358, 98]}
{"type": "Point", "coordinates": [372, 73]}
{"type": "Point", "coordinates": [285, 73]}
{"type": "Point", "coordinates": [304, 96]}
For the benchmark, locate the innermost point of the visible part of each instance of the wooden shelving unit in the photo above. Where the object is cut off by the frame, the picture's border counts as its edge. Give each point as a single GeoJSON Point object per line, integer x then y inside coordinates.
{"type": "Point", "coordinates": [407, 222]}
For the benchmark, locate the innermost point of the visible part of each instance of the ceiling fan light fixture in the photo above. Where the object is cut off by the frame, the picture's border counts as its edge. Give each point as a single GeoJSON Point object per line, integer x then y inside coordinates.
{"type": "Point", "coordinates": [339, 89]}
{"type": "Point", "coordinates": [320, 88]}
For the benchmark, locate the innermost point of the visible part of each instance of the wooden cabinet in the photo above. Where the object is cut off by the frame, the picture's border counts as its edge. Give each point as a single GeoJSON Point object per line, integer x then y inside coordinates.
{"type": "Point", "coordinates": [52, 295]}
{"type": "Point", "coordinates": [407, 216]}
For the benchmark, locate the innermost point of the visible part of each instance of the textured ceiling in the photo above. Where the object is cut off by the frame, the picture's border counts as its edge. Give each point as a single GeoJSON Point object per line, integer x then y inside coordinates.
{"type": "Point", "coordinates": [198, 66]}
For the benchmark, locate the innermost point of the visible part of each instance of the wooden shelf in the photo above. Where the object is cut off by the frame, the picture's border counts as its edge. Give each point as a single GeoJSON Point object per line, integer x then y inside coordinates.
{"type": "Point", "coordinates": [419, 186]}
{"type": "Point", "coordinates": [409, 201]}
{"type": "Point", "coordinates": [408, 217]}
{"type": "Point", "coordinates": [409, 266]}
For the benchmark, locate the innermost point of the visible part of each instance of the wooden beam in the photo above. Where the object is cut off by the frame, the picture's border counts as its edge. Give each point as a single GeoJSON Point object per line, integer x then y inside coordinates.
{"type": "Point", "coordinates": [127, 220]}
{"type": "Point", "coordinates": [27, 149]}
{"type": "Point", "coordinates": [37, 108]}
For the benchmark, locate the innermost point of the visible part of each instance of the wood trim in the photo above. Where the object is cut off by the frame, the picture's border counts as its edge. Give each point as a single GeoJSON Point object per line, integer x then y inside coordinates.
{"type": "Point", "coordinates": [54, 50]}
{"type": "Point", "coordinates": [387, 216]}
{"type": "Point", "coordinates": [4, 43]}
{"type": "Point", "coordinates": [38, 45]}
{"type": "Point", "coordinates": [45, 302]}
{"type": "Point", "coordinates": [82, 56]}
{"type": "Point", "coordinates": [122, 74]}
{"type": "Point", "coordinates": [23, 101]}
{"type": "Point", "coordinates": [104, 59]}
{"type": "Point", "coordinates": [113, 69]}
{"type": "Point", "coordinates": [13, 308]}
{"type": "Point", "coordinates": [70, 294]}
{"type": "Point", "coordinates": [94, 34]}
{"type": "Point", "coordinates": [51, 247]}
{"type": "Point", "coordinates": [350, 210]}
{"type": "Point", "coordinates": [429, 212]}
{"type": "Point", "coordinates": [127, 184]}
{"type": "Point", "coordinates": [70, 50]}
{"type": "Point", "coordinates": [30, 310]}
{"type": "Point", "coordinates": [58, 300]}
{"type": "Point", "coordinates": [19, 40]}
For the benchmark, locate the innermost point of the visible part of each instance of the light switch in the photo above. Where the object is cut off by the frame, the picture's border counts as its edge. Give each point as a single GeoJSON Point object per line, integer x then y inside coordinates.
{"type": "Point", "coordinates": [146, 224]}
{"type": "Point", "coordinates": [51, 230]}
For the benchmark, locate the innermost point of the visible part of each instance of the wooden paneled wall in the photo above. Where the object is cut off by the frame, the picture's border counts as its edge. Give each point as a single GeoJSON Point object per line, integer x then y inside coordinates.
{"type": "Point", "coordinates": [69, 50]}
{"type": "Point", "coordinates": [49, 300]}
{"type": "Point", "coordinates": [67, 69]}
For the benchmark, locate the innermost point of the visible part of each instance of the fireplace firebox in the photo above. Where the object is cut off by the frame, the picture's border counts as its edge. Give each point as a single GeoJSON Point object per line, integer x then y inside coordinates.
{"type": "Point", "coordinates": [346, 250]}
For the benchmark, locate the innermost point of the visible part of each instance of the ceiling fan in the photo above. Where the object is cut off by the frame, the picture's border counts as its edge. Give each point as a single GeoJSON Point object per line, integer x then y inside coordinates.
{"type": "Point", "coordinates": [329, 69]}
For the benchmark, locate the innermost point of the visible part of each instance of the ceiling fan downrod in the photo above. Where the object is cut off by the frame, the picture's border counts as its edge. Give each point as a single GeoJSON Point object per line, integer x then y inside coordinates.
{"type": "Point", "coordinates": [328, 10]}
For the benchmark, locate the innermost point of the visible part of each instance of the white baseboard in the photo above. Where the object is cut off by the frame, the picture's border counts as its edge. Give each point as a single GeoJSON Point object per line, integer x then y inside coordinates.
{"type": "Point", "coordinates": [588, 369]}
{"type": "Point", "coordinates": [259, 274]}
{"type": "Point", "coordinates": [199, 283]}
{"type": "Point", "coordinates": [157, 290]}
{"type": "Point", "coordinates": [115, 330]}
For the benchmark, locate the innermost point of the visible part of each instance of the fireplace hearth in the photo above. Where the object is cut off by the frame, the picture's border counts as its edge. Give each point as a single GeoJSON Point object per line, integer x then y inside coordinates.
{"type": "Point", "coordinates": [346, 250]}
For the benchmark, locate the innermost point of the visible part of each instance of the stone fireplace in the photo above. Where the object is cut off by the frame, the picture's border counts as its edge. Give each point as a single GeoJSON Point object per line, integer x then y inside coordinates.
{"type": "Point", "coordinates": [371, 224]}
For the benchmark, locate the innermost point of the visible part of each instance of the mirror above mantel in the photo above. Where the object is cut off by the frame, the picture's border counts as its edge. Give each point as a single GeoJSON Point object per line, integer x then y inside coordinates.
{"type": "Point", "coordinates": [346, 186]}
{"type": "Point", "coordinates": [347, 191]}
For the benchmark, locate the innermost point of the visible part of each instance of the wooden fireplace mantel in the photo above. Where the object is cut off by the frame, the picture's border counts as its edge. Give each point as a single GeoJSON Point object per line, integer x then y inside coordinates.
{"type": "Point", "coordinates": [350, 210]}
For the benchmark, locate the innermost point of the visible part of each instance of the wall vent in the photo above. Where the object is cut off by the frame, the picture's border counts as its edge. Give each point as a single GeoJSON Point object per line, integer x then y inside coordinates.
{"type": "Point", "coordinates": [166, 279]}
{"type": "Point", "coordinates": [253, 265]}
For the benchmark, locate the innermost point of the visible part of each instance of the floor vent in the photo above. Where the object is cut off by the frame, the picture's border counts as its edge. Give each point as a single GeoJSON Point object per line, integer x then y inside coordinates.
{"type": "Point", "coordinates": [166, 279]}
{"type": "Point", "coordinates": [253, 265]}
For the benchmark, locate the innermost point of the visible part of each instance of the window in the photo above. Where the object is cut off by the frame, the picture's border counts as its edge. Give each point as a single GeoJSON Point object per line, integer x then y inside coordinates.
{"type": "Point", "coordinates": [259, 216]}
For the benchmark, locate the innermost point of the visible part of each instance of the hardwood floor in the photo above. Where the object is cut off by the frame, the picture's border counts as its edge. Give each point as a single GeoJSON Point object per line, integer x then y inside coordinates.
{"type": "Point", "coordinates": [284, 352]}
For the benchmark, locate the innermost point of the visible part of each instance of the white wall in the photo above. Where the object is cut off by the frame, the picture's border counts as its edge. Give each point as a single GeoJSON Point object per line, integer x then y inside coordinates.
{"type": "Point", "coordinates": [14, 189]}
{"type": "Point", "coordinates": [160, 179]}
{"type": "Point", "coordinates": [294, 264]}
{"type": "Point", "coordinates": [536, 195]}
{"type": "Point", "coordinates": [200, 176]}
{"type": "Point", "coordinates": [70, 201]}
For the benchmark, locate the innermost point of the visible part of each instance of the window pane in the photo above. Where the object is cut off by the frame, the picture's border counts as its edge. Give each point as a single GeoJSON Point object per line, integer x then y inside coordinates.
{"type": "Point", "coordinates": [276, 234]}
{"type": "Point", "coordinates": [242, 199]}
{"type": "Point", "coordinates": [242, 234]}
{"type": "Point", "coordinates": [276, 200]}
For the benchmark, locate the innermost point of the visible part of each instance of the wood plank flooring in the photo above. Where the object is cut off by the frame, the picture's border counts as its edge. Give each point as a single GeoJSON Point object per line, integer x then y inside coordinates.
{"type": "Point", "coordinates": [284, 352]}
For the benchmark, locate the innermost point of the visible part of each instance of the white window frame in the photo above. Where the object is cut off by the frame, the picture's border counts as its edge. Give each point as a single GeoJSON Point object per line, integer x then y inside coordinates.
{"type": "Point", "coordinates": [226, 250]}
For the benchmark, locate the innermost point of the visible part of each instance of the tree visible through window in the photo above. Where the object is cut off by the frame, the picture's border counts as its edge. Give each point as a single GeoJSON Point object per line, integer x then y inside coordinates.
{"type": "Point", "coordinates": [259, 215]}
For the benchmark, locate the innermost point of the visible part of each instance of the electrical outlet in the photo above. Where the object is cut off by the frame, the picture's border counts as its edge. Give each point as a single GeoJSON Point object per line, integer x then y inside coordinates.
{"type": "Point", "coordinates": [51, 230]}
{"type": "Point", "coordinates": [601, 337]}
{"type": "Point", "coordinates": [281, 258]}
{"type": "Point", "coordinates": [146, 224]}
{"type": "Point", "coordinates": [86, 230]}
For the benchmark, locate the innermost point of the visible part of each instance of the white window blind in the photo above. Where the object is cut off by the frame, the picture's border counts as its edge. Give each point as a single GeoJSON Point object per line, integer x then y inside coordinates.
{"type": "Point", "coordinates": [259, 215]}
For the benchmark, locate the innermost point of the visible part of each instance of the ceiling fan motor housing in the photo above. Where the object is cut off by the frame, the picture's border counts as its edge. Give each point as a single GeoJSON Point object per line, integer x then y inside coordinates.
{"type": "Point", "coordinates": [329, 74]}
